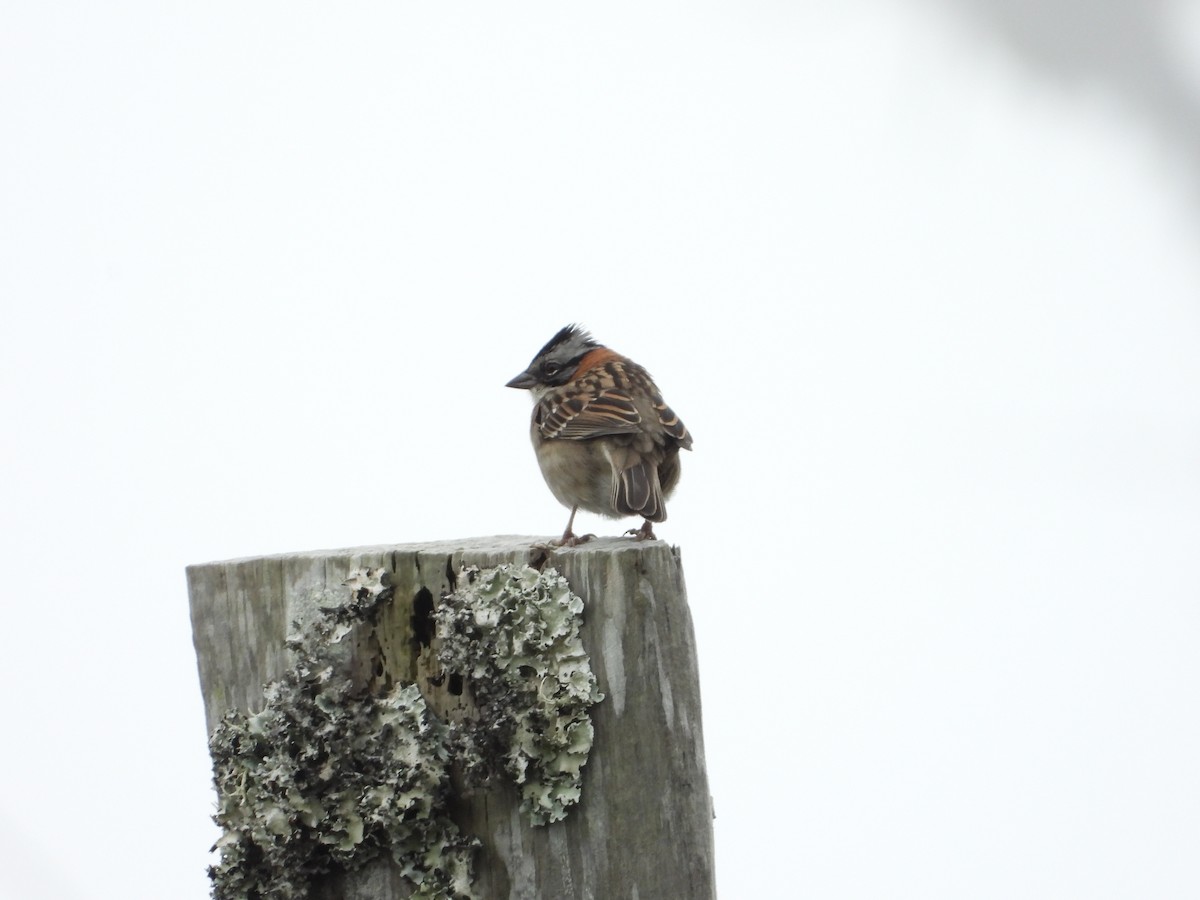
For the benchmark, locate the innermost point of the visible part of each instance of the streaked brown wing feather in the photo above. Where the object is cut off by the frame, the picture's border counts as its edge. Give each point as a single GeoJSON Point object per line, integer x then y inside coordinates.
{"type": "Point", "coordinates": [670, 422]}
{"type": "Point", "coordinates": [582, 417]}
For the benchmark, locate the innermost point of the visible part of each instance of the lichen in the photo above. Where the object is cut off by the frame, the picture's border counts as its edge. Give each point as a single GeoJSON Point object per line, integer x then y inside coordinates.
{"type": "Point", "coordinates": [328, 777]}
{"type": "Point", "coordinates": [513, 634]}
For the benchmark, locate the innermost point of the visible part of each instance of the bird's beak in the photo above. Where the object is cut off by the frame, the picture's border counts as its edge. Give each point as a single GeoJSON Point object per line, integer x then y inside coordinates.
{"type": "Point", "coordinates": [523, 381]}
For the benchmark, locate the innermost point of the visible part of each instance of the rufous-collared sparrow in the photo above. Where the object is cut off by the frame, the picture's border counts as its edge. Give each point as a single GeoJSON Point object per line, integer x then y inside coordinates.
{"type": "Point", "coordinates": [605, 440]}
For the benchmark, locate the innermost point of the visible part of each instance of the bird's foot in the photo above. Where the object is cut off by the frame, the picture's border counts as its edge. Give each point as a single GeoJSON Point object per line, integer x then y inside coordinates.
{"type": "Point", "coordinates": [569, 539]}
{"type": "Point", "coordinates": [645, 533]}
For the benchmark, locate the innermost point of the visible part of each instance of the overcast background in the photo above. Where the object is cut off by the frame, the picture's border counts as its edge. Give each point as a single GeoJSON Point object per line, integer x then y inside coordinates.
{"type": "Point", "coordinates": [922, 278]}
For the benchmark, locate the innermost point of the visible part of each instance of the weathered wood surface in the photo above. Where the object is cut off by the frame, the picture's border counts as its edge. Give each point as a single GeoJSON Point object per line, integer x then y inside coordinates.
{"type": "Point", "coordinates": [644, 826]}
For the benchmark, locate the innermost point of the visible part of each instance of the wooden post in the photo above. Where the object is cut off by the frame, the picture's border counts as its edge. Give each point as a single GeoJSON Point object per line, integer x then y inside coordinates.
{"type": "Point", "coordinates": [643, 828]}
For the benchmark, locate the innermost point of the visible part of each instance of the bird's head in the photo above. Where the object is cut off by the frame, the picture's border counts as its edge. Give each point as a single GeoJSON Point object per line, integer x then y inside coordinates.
{"type": "Point", "coordinates": [554, 364]}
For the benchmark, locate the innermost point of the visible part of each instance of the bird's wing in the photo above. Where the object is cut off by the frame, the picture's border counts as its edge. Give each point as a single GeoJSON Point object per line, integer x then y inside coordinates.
{"type": "Point", "coordinates": [671, 423]}
{"type": "Point", "coordinates": [582, 416]}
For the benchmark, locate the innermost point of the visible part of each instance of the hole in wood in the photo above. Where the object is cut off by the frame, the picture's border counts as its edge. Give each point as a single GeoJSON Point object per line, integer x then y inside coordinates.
{"type": "Point", "coordinates": [422, 619]}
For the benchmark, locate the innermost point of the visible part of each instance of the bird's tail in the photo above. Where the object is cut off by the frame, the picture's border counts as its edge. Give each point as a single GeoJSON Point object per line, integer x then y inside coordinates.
{"type": "Point", "coordinates": [637, 492]}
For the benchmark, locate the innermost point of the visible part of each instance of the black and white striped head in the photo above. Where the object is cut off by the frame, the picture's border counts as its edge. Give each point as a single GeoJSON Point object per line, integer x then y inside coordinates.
{"type": "Point", "coordinates": [556, 362]}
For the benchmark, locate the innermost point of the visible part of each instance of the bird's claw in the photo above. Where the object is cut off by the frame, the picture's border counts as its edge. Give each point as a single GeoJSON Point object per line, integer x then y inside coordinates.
{"type": "Point", "coordinates": [645, 533]}
{"type": "Point", "coordinates": [572, 540]}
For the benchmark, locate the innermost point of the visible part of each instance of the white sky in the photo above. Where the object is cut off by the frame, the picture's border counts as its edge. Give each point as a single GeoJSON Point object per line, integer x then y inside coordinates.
{"type": "Point", "coordinates": [932, 320]}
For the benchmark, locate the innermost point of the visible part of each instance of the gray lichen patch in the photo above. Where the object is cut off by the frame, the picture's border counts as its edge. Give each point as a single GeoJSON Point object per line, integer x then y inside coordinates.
{"type": "Point", "coordinates": [328, 776]}
{"type": "Point", "coordinates": [513, 633]}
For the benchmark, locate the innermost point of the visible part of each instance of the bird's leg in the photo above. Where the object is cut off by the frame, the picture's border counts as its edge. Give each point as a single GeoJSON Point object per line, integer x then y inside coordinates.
{"type": "Point", "coordinates": [569, 535]}
{"type": "Point", "coordinates": [645, 533]}
{"type": "Point", "coordinates": [570, 538]}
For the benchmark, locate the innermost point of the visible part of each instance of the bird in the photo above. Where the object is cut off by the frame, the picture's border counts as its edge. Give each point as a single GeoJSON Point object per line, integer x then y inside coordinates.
{"type": "Point", "coordinates": [605, 440]}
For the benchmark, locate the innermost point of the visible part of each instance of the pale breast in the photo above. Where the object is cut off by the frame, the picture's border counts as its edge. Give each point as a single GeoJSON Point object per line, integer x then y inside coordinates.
{"type": "Point", "coordinates": [578, 473]}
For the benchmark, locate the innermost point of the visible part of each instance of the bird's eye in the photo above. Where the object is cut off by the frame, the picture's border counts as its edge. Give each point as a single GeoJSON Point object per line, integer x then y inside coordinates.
{"type": "Point", "coordinates": [551, 368]}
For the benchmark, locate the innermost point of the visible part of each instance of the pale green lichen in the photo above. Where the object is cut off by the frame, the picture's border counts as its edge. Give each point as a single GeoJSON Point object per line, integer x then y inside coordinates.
{"type": "Point", "coordinates": [513, 634]}
{"type": "Point", "coordinates": [327, 777]}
